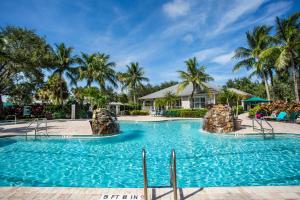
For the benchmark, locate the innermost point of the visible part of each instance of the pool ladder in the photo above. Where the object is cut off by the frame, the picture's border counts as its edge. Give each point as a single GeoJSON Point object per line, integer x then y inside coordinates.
{"type": "Point", "coordinates": [263, 129]}
{"type": "Point", "coordinates": [36, 129]}
{"type": "Point", "coordinates": [173, 180]}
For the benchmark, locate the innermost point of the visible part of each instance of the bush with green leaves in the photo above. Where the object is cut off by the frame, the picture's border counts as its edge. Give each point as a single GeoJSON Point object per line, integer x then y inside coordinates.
{"type": "Point", "coordinates": [195, 113]}
{"type": "Point", "coordinates": [139, 112]}
{"type": "Point", "coordinates": [240, 109]}
{"type": "Point", "coordinates": [253, 111]}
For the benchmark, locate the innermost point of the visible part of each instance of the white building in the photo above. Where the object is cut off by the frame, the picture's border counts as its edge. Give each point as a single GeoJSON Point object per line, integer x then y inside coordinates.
{"type": "Point", "coordinates": [201, 97]}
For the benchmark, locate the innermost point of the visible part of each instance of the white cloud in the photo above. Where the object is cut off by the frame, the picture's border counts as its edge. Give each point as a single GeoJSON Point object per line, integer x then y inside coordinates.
{"type": "Point", "coordinates": [207, 54]}
{"type": "Point", "coordinates": [224, 58]}
{"type": "Point", "coordinates": [176, 8]}
{"type": "Point", "coordinates": [240, 8]}
{"type": "Point", "coordinates": [188, 38]}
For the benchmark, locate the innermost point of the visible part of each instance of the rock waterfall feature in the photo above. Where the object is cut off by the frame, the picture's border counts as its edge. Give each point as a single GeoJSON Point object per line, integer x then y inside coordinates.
{"type": "Point", "coordinates": [104, 122]}
{"type": "Point", "coordinates": [219, 119]}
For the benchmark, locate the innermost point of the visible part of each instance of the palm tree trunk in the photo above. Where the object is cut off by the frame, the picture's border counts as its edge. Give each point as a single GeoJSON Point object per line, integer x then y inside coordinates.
{"type": "Point", "coordinates": [272, 82]}
{"type": "Point", "coordinates": [1, 108]}
{"type": "Point", "coordinates": [295, 79]}
{"type": "Point", "coordinates": [134, 97]}
{"type": "Point", "coordinates": [61, 92]}
{"type": "Point", "coordinates": [192, 97]}
{"type": "Point", "coordinates": [266, 85]}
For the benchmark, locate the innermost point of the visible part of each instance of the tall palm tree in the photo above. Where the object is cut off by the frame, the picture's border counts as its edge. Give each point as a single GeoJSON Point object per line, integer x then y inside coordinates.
{"type": "Point", "coordinates": [195, 75]}
{"type": "Point", "coordinates": [104, 71]}
{"type": "Point", "coordinates": [133, 77]}
{"type": "Point", "coordinates": [258, 40]}
{"type": "Point", "coordinates": [288, 37]}
{"type": "Point", "coordinates": [87, 68]}
{"type": "Point", "coordinates": [63, 65]}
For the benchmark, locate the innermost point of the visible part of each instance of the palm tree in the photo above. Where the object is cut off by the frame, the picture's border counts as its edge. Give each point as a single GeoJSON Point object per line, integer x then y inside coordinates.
{"type": "Point", "coordinates": [133, 77]}
{"type": "Point", "coordinates": [104, 71]}
{"type": "Point", "coordinates": [194, 75]}
{"type": "Point", "coordinates": [288, 37]}
{"type": "Point", "coordinates": [63, 65]}
{"type": "Point", "coordinates": [258, 40]}
{"type": "Point", "coordinates": [86, 68]}
{"type": "Point", "coordinates": [170, 99]}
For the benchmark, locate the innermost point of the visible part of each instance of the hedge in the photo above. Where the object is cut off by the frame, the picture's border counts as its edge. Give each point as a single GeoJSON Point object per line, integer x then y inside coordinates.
{"type": "Point", "coordinates": [196, 113]}
{"type": "Point", "coordinates": [139, 112]}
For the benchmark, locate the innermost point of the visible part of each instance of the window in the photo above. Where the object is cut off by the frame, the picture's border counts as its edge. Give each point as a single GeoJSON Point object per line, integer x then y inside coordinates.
{"type": "Point", "coordinates": [178, 103]}
{"type": "Point", "coordinates": [199, 102]}
{"type": "Point", "coordinates": [148, 103]}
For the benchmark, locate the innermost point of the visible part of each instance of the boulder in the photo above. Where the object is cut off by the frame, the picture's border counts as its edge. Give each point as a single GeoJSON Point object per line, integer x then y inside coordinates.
{"type": "Point", "coordinates": [104, 122]}
{"type": "Point", "coordinates": [219, 119]}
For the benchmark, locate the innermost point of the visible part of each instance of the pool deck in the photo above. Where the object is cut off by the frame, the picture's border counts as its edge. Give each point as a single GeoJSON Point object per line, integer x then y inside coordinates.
{"type": "Point", "coordinates": [82, 127]}
{"type": "Point", "coordinates": [211, 193]}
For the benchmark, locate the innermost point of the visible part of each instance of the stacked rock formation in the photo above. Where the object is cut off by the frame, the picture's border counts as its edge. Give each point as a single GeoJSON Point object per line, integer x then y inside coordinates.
{"type": "Point", "coordinates": [218, 119]}
{"type": "Point", "coordinates": [104, 122]}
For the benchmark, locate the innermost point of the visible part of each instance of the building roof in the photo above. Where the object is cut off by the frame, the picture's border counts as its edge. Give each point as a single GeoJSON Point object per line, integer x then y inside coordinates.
{"type": "Point", "coordinates": [240, 92]}
{"type": "Point", "coordinates": [187, 91]}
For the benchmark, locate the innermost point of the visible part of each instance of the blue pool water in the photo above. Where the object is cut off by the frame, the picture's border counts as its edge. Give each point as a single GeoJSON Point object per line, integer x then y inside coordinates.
{"type": "Point", "coordinates": [203, 159]}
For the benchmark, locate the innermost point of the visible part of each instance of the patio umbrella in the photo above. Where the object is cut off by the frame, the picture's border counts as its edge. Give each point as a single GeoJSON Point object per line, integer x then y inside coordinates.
{"type": "Point", "coordinates": [255, 100]}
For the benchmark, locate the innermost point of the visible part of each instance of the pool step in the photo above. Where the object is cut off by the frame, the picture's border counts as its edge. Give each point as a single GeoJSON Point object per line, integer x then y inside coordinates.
{"type": "Point", "coordinates": [173, 180]}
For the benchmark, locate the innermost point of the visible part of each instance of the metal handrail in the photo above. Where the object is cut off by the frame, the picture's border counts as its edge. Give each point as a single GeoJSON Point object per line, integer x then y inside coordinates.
{"type": "Point", "coordinates": [37, 127]}
{"type": "Point", "coordinates": [262, 129]}
{"type": "Point", "coordinates": [145, 175]}
{"type": "Point", "coordinates": [173, 174]}
{"type": "Point", "coordinates": [271, 127]}
{"type": "Point", "coordinates": [29, 126]}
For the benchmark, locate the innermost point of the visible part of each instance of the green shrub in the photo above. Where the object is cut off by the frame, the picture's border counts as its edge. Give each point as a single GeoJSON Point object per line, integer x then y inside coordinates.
{"type": "Point", "coordinates": [240, 109]}
{"type": "Point", "coordinates": [253, 111]}
{"type": "Point", "coordinates": [59, 115]}
{"type": "Point", "coordinates": [196, 113]}
{"type": "Point", "coordinates": [82, 114]}
{"type": "Point", "coordinates": [139, 112]}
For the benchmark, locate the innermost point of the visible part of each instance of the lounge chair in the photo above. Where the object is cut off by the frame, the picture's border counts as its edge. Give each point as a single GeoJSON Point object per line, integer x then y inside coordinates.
{"type": "Point", "coordinates": [294, 116]}
{"type": "Point", "coordinates": [161, 113]}
{"type": "Point", "coordinates": [281, 116]}
{"type": "Point", "coordinates": [153, 112]}
{"type": "Point", "coordinates": [271, 117]}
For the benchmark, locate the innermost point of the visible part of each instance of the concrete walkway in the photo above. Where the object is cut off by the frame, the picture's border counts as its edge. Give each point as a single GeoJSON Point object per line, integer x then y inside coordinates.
{"type": "Point", "coordinates": [212, 193]}
{"type": "Point", "coordinates": [82, 127]}
{"type": "Point", "coordinates": [279, 127]}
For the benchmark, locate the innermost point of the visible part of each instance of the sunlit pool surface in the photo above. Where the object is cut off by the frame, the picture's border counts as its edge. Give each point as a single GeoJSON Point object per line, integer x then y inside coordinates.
{"type": "Point", "coordinates": [203, 159]}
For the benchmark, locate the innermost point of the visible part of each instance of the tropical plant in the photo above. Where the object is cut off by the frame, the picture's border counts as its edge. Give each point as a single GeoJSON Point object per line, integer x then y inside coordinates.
{"type": "Point", "coordinates": [52, 90]}
{"type": "Point", "coordinates": [133, 78]}
{"type": "Point", "coordinates": [228, 97]}
{"type": "Point", "coordinates": [63, 65]}
{"type": "Point", "coordinates": [104, 71]}
{"type": "Point", "coordinates": [95, 96]}
{"type": "Point", "coordinates": [170, 99]}
{"type": "Point", "coordinates": [160, 102]}
{"type": "Point", "coordinates": [194, 75]}
{"type": "Point", "coordinates": [258, 40]}
{"type": "Point", "coordinates": [87, 68]}
{"type": "Point", "coordinates": [97, 67]}
{"type": "Point", "coordinates": [288, 37]}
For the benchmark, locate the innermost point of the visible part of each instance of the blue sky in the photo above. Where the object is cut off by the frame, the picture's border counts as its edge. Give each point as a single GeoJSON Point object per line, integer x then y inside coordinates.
{"type": "Point", "coordinates": [158, 34]}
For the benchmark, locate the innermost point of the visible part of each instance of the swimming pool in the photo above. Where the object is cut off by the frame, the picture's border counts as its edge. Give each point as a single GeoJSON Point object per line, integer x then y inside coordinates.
{"type": "Point", "coordinates": [203, 159]}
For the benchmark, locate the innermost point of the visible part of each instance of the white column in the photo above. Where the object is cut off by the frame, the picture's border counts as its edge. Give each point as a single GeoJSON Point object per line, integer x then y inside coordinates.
{"type": "Point", "coordinates": [73, 111]}
{"type": "Point", "coordinates": [117, 109]}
